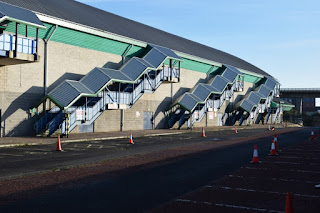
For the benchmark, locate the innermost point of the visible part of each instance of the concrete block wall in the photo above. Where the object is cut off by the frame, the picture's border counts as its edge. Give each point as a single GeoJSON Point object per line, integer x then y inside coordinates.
{"type": "Point", "coordinates": [157, 103]}
{"type": "Point", "coordinates": [21, 86]}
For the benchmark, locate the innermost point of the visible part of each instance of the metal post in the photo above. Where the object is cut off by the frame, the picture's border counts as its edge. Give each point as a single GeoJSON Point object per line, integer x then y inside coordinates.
{"type": "Point", "coordinates": [45, 75]}
{"type": "Point", "coordinates": [16, 44]}
{"type": "Point", "coordinates": [170, 67]}
{"type": "Point", "coordinates": [0, 124]}
{"type": "Point", "coordinates": [132, 93]}
{"type": "Point", "coordinates": [37, 43]}
{"type": "Point", "coordinates": [67, 126]}
{"type": "Point", "coordinates": [104, 99]}
{"type": "Point", "coordinates": [121, 111]}
{"type": "Point", "coordinates": [122, 120]}
{"type": "Point", "coordinates": [26, 30]}
{"type": "Point", "coordinates": [85, 110]}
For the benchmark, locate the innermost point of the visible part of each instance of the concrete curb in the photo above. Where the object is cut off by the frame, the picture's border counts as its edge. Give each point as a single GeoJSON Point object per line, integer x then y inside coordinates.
{"type": "Point", "coordinates": [121, 137]}
{"type": "Point", "coordinates": [89, 139]}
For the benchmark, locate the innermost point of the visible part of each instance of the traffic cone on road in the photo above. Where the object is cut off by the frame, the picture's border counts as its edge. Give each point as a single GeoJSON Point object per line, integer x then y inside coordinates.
{"type": "Point", "coordinates": [289, 205]}
{"type": "Point", "coordinates": [312, 134]}
{"type": "Point", "coordinates": [203, 133]}
{"type": "Point", "coordinates": [273, 149]}
{"type": "Point", "coordinates": [255, 158]}
{"type": "Point", "coordinates": [275, 139]}
{"type": "Point", "coordinates": [235, 130]}
{"type": "Point", "coordinates": [131, 139]}
{"type": "Point", "coordinates": [59, 144]}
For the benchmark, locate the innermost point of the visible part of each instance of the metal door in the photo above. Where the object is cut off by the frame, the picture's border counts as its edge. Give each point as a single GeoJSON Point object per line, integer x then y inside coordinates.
{"type": "Point", "coordinates": [147, 120]}
{"type": "Point", "coordinates": [87, 128]}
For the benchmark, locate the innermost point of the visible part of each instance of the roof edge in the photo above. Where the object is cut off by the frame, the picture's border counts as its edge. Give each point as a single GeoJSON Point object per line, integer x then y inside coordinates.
{"type": "Point", "coordinates": [8, 18]}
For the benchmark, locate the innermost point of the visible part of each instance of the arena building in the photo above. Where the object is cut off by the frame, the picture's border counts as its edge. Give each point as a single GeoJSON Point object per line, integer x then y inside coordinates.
{"type": "Point", "coordinates": [67, 67]}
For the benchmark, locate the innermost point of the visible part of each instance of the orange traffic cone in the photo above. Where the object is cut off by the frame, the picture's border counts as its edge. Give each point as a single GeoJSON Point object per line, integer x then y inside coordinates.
{"type": "Point", "coordinates": [235, 130]}
{"type": "Point", "coordinates": [273, 149]}
{"type": "Point", "coordinates": [131, 139]}
{"type": "Point", "coordinates": [203, 133]}
{"type": "Point", "coordinates": [312, 134]}
{"type": "Point", "coordinates": [275, 139]}
{"type": "Point", "coordinates": [255, 158]}
{"type": "Point", "coordinates": [59, 144]}
{"type": "Point", "coordinates": [289, 206]}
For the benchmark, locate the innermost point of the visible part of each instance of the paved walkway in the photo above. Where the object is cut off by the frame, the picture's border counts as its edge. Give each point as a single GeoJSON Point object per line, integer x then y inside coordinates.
{"type": "Point", "coordinates": [16, 141]}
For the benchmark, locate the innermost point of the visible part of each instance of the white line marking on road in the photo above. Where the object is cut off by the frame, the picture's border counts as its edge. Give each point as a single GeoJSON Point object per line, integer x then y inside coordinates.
{"type": "Point", "coordinates": [275, 179]}
{"type": "Point", "coordinates": [291, 157]}
{"type": "Point", "coordinates": [281, 162]}
{"type": "Point", "coordinates": [227, 205]}
{"type": "Point", "coordinates": [37, 153]}
{"type": "Point", "coordinates": [101, 147]}
{"type": "Point", "coordinates": [89, 146]}
{"type": "Point", "coordinates": [289, 170]}
{"type": "Point", "coordinates": [261, 191]}
{"type": "Point", "coordinates": [14, 155]}
{"type": "Point", "coordinates": [160, 134]}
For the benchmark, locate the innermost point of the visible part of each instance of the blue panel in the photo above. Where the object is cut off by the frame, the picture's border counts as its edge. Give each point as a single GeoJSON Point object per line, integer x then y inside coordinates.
{"type": "Point", "coordinates": [188, 102]}
{"type": "Point", "coordinates": [114, 74]}
{"type": "Point", "coordinates": [168, 52]}
{"type": "Point", "coordinates": [155, 57]}
{"type": "Point", "coordinates": [95, 80]}
{"type": "Point", "coordinates": [19, 13]}
{"type": "Point", "coordinates": [246, 105]}
{"type": "Point", "coordinates": [133, 68]}
{"type": "Point", "coordinates": [201, 92]}
{"type": "Point", "coordinates": [264, 91]}
{"type": "Point", "coordinates": [80, 87]}
{"type": "Point", "coordinates": [233, 69]}
{"type": "Point", "coordinates": [64, 93]}
{"type": "Point", "coordinates": [219, 83]}
{"type": "Point", "coordinates": [254, 98]}
{"type": "Point", "coordinates": [230, 75]}
{"type": "Point", "coordinates": [271, 83]}
{"type": "Point", "coordinates": [212, 89]}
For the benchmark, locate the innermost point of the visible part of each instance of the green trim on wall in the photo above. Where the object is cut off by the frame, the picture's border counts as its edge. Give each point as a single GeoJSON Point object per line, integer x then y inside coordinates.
{"type": "Point", "coordinates": [80, 39]}
{"type": "Point", "coordinates": [251, 78]}
{"type": "Point", "coordinates": [94, 42]}
{"type": "Point", "coordinates": [195, 66]}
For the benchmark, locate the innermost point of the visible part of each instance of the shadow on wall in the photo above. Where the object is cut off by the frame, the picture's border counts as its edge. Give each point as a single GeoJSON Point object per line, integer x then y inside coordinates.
{"type": "Point", "coordinates": [164, 105]}
{"type": "Point", "coordinates": [112, 65]}
{"type": "Point", "coordinates": [21, 107]}
{"type": "Point", "coordinates": [66, 76]}
{"type": "Point", "coordinates": [22, 104]}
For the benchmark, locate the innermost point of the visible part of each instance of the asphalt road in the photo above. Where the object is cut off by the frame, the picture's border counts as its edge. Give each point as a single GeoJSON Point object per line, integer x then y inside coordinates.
{"type": "Point", "coordinates": [143, 190]}
{"type": "Point", "coordinates": [23, 160]}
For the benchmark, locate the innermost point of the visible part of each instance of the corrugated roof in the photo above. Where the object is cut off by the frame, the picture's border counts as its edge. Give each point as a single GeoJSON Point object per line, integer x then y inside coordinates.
{"type": "Point", "coordinates": [18, 13]}
{"type": "Point", "coordinates": [86, 15]}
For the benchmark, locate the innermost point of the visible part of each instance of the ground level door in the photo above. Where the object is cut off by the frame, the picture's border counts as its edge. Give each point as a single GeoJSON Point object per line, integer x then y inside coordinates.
{"type": "Point", "coordinates": [147, 120]}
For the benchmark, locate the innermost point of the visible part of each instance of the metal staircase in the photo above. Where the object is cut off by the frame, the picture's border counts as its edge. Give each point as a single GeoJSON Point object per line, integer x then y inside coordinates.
{"type": "Point", "coordinates": [82, 102]}
{"type": "Point", "coordinates": [205, 97]}
{"type": "Point", "coordinates": [257, 102]}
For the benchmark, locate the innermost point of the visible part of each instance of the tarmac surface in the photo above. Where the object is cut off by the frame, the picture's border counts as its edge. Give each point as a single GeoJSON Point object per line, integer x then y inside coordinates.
{"type": "Point", "coordinates": [262, 187]}
{"type": "Point", "coordinates": [30, 159]}
{"type": "Point", "coordinates": [134, 184]}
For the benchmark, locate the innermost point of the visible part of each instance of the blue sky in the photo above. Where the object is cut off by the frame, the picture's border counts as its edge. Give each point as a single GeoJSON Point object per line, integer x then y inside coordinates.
{"type": "Point", "coordinates": [280, 37]}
